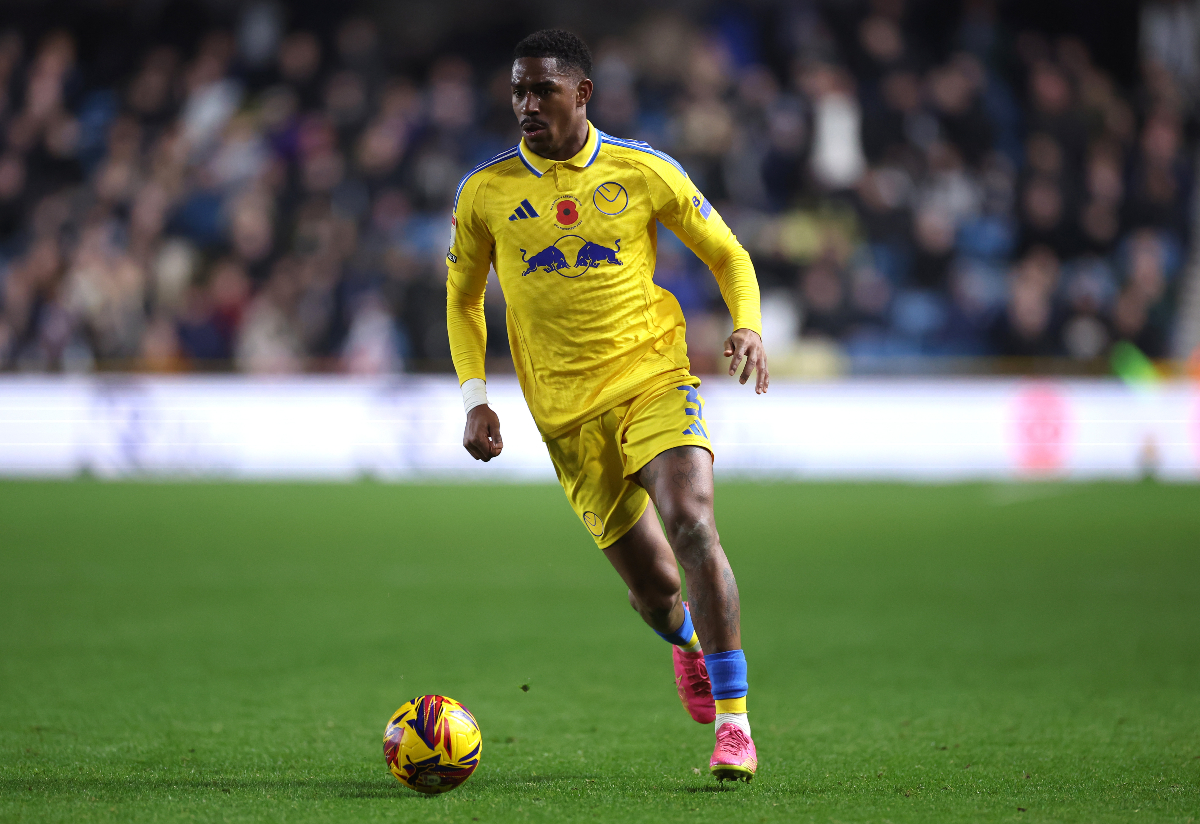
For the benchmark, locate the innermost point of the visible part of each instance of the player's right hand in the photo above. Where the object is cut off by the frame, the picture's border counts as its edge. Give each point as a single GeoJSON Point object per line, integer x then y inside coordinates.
{"type": "Point", "coordinates": [482, 435]}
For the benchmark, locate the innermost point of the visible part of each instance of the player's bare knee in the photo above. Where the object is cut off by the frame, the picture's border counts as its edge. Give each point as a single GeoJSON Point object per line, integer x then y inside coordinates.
{"type": "Point", "coordinates": [653, 603]}
{"type": "Point", "coordinates": [694, 540]}
{"type": "Point", "coordinates": [657, 599]}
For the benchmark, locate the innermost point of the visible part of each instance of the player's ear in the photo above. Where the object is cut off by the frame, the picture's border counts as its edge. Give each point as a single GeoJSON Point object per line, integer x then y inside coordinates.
{"type": "Point", "coordinates": [583, 92]}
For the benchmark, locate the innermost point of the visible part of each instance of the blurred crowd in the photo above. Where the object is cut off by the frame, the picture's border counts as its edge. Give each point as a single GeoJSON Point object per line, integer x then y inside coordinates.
{"type": "Point", "coordinates": [276, 199]}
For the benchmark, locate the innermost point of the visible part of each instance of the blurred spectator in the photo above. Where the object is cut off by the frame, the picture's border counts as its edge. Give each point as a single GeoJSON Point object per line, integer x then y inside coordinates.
{"type": "Point", "coordinates": [275, 200]}
{"type": "Point", "coordinates": [1027, 326]}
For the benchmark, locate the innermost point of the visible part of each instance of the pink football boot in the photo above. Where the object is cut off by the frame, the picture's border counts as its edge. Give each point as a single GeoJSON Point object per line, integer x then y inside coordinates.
{"type": "Point", "coordinates": [734, 758]}
{"type": "Point", "coordinates": [691, 680]}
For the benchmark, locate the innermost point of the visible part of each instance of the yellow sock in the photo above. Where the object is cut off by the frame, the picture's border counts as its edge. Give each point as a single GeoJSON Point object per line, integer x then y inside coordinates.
{"type": "Point", "coordinates": [737, 705]}
{"type": "Point", "coordinates": [692, 645]}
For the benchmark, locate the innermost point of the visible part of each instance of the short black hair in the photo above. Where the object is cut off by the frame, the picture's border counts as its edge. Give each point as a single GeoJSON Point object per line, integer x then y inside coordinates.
{"type": "Point", "coordinates": [567, 49]}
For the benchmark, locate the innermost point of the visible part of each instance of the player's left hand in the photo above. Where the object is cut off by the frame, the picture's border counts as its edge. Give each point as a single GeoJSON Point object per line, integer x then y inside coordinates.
{"type": "Point", "coordinates": [746, 343]}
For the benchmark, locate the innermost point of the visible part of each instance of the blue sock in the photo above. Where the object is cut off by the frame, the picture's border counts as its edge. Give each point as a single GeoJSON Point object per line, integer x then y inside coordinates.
{"type": "Point", "coordinates": [727, 673]}
{"type": "Point", "coordinates": [685, 636]}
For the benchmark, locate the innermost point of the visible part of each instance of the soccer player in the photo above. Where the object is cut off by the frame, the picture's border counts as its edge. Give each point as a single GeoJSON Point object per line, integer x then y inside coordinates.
{"type": "Point", "coordinates": [567, 218]}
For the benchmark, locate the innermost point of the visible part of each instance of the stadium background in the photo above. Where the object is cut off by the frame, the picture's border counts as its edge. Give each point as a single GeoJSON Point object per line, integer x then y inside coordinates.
{"type": "Point", "coordinates": [264, 187]}
{"type": "Point", "coordinates": [930, 189]}
{"type": "Point", "coordinates": [221, 236]}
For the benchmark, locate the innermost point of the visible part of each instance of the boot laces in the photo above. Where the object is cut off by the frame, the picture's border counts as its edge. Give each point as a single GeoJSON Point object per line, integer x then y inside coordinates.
{"type": "Point", "coordinates": [731, 737]}
{"type": "Point", "coordinates": [696, 671]}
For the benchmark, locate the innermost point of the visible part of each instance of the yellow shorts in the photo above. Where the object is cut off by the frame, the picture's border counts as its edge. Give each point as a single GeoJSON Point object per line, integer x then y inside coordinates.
{"type": "Point", "coordinates": [596, 461]}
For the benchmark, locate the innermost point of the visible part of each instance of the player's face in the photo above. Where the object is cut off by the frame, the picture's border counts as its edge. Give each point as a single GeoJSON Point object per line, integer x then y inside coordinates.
{"type": "Point", "coordinates": [550, 106]}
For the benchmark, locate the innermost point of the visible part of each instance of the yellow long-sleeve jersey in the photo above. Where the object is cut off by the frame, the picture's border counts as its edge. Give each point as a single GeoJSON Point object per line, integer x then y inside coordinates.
{"type": "Point", "coordinates": [573, 243]}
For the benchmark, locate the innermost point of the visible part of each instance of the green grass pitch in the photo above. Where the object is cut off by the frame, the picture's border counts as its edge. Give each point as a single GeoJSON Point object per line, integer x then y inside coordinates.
{"type": "Point", "coordinates": [230, 652]}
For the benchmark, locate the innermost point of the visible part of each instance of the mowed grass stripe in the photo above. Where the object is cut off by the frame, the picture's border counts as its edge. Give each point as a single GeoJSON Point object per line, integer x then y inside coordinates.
{"type": "Point", "coordinates": [231, 652]}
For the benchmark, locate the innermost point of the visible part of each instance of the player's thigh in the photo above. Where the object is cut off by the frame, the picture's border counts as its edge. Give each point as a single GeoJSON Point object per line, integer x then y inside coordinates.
{"type": "Point", "coordinates": [680, 482]}
{"type": "Point", "coordinates": [645, 562]}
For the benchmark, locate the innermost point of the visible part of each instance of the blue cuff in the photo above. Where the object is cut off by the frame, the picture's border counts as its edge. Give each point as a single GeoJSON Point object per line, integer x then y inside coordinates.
{"type": "Point", "coordinates": [727, 673]}
{"type": "Point", "coordinates": [682, 636]}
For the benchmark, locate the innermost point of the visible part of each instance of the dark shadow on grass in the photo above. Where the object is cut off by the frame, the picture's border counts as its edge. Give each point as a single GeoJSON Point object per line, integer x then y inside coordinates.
{"type": "Point", "coordinates": [711, 788]}
{"type": "Point", "coordinates": [371, 789]}
{"type": "Point", "coordinates": [113, 788]}
{"type": "Point", "coordinates": [491, 779]}
{"type": "Point", "coordinates": [383, 787]}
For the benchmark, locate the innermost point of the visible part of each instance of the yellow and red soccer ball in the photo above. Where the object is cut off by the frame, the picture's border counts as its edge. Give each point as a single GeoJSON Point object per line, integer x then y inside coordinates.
{"type": "Point", "coordinates": [432, 744]}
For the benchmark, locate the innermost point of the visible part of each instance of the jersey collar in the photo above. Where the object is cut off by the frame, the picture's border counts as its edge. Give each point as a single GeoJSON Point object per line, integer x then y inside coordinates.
{"type": "Point", "coordinates": [586, 156]}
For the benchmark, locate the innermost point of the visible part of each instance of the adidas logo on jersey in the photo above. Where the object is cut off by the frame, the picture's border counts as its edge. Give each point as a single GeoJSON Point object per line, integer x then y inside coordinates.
{"type": "Point", "coordinates": [523, 211]}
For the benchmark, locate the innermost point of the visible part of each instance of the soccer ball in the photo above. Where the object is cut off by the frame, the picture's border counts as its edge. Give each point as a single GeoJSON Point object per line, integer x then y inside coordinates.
{"type": "Point", "coordinates": [432, 744]}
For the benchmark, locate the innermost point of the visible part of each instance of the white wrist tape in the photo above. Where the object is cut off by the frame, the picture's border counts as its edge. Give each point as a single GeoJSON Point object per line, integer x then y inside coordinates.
{"type": "Point", "coordinates": [474, 393]}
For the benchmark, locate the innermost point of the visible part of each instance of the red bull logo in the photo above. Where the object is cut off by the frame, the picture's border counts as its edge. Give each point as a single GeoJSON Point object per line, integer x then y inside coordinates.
{"type": "Point", "coordinates": [586, 254]}
{"type": "Point", "coordinates": [591, 255]}
{"type": "Point", "coordinates": [550, 259]}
